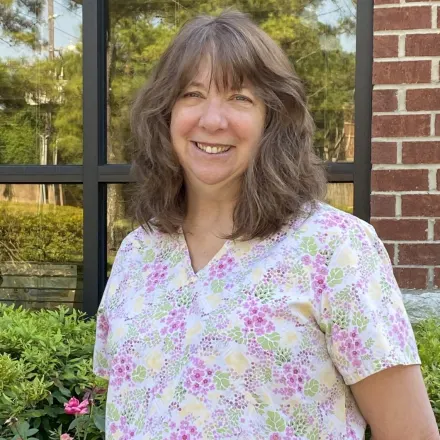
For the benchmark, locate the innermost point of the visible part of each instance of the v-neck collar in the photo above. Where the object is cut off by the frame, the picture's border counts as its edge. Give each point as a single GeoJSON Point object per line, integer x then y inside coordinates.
{"type": "Point", "coordinates": [187, 257]}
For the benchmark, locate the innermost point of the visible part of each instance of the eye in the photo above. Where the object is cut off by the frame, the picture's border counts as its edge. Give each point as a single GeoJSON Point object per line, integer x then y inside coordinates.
{"type": "Point", "coordinates": [192, 95]}
{"type": "Point", "coordinates": [242, 98]}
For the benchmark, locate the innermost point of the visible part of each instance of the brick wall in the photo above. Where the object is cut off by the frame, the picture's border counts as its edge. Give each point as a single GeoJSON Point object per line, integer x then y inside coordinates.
{"type": "Point", "coordinates": [405, 201]}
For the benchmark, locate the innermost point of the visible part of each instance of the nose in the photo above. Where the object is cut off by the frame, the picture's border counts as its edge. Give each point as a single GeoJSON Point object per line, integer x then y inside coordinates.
{"type": "Point", "coordinates": [213, 117]}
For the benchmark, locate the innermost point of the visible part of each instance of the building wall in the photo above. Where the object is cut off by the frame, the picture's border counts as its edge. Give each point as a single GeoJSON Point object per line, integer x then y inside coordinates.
{"type": "Point", "coordinates": [405, 202]}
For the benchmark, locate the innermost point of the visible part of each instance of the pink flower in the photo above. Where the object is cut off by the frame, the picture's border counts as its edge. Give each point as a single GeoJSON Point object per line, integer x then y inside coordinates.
{"type": "Point", "coordinates": [65, 437]}
{"type": "Point", "coordinates": [74, 407]}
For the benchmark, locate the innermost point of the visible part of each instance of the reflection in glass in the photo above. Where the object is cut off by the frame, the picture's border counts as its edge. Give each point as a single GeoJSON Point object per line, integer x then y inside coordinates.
{"type": "Point", "coordinates": [40, 82]}
{"type": "Point", "coordinates": [340, 195]}
{"type": "Point", "coordinates": [318, 36]}
{"type": "Point", "coordinates": [41, 247]}
{"type": "Point", "coordinates": [119, 223]}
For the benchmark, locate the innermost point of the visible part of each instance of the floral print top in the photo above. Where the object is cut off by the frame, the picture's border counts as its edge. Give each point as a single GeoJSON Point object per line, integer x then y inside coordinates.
{"type": "Point", "coordinates": [261, 343]}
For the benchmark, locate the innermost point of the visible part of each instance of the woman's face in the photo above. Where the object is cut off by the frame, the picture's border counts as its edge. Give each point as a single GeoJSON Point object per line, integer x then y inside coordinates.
{"type": "Point", "coordinates": [216, 133]}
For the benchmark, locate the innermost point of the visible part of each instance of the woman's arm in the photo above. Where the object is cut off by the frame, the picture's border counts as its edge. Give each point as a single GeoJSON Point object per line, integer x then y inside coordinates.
{"type": "Point", "coordinates": [395, 404]}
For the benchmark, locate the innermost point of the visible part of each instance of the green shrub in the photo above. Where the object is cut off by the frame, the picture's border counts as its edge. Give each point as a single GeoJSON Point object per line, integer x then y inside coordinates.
{"type": "Point", "coordinates": [52, 234]}
{"type": "Point", "coordinates": [428, 341]}
{"type": "Point", "coordinates": [45, 359]}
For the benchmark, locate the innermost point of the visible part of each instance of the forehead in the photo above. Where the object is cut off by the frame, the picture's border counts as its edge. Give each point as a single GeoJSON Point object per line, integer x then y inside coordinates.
{"type": "Point", "coordinates": [209, 72]}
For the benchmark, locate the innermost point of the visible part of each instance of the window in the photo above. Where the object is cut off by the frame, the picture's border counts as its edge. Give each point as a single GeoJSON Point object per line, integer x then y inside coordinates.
{"type": "Point", "coordinates": [64, 135]}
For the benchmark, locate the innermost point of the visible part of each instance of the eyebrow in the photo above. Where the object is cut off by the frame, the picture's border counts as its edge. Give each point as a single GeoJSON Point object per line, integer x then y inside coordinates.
{"type": "Point", "coordinates": [202, 86]}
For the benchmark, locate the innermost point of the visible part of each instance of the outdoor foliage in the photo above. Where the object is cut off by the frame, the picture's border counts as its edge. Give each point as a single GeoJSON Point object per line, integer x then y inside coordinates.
{"type": "Point", "coordinates": [45, 361]}
{"type": "Point", "coordinates": [428, 340]}
{"type": "Point", "coordinates": [41, 98]}
{"type": "Point", "coordinates": [52, 234]}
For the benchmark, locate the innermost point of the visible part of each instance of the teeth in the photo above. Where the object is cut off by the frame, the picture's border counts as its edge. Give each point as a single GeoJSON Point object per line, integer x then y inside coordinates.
{"type": "Point", "coordinates": [210, 149]}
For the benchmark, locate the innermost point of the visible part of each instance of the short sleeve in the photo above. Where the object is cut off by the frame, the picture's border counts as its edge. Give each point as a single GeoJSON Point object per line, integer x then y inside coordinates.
{"type": "Point", "coordinates": [101, 356]}
{"type": "Point", "coordinates": [361, 311]}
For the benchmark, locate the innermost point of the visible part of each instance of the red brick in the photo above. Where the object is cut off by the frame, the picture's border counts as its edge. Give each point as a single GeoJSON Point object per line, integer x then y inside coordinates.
{"type": "Point", "coordinates": [401, 229]}
{"type": "Point", "coordinates": [420, 152]}
{"type": "Point", "coordinates": [411, 278]}
{"type": "Point", "coordinates": [402, 72]}
{"type": "Point", "coordinates": [438, 180]}
{"type": "Point", "coordinates": [399, 180]}
{"type": "Point", "coordinates": [383, 152]}
{"type": "Point", "coordinates": [390, 249]}
{"type": "Point", "coordinates": [401, 125]}
{"type": "Point", "coordinates": [385, 2]}
{"type": "Point", "coordinates": [437, 277]}
{"type": "Point", "coordinates": [421, 254]}
{"type": "Point", "coordinates": [423, 99]}
{"type": "Point", "coordinates": [385, 46]}
{"type": "Point", "coordinates": [437, 230]}
{"type": "Point", "coordinates": [421, 205]}
{"type": "Point", "coordinates": [383, 206]}
{"type": "Point", "coordinates": [400, 19]}
{"type": "Point", "coordinates": [422, 45]}
{"type": "Point", "coordinates": [437, 125]}
{"type": "Point", "coordinates": [384, 100]}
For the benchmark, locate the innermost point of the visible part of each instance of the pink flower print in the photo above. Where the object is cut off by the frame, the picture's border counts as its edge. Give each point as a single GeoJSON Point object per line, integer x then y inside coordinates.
{"type": "Point", "coordinates": [157, 276]}
{"type": "Point", "coordinates": [122, 367]}
{"type": "Point", "coordinates": [307, 260]}
{"type": "Point", "coordinates": [199, 380]}
{"type": "Point", "coordinates": [175, 321]}
{"type": "Point", "coordinates": [103, 327]}
{"type": "Point", "coordinates": [319, 260]}
{"type": "Point", "coordinates": [73, 406]}
{"type": "Point", "coordinates": [399, 329]}
{"type": "Point", "coordinates": [293, 377]}
{"type": "Point", "coordinates": [275, 436]}
{"type": "Point", "coordinates": [66, 437]}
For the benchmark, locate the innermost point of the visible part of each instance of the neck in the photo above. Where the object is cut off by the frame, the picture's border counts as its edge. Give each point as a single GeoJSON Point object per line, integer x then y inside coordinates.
{"type": "Point", "coordinates": [210, 209]}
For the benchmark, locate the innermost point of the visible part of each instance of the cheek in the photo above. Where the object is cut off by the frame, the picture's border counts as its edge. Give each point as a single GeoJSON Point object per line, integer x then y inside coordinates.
{"type": "Point", "coordinates": [182, 122]}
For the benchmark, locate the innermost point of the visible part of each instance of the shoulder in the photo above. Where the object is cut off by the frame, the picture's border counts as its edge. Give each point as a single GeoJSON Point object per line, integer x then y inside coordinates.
{"type": "Point", "coordinates": [136, 243]}
{"type": "Point", "coordinates": [326, 229]}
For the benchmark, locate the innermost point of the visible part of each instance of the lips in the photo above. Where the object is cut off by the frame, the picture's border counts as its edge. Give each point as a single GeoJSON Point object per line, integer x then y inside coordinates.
{"type": "Point", "coordinates": [212, 148]}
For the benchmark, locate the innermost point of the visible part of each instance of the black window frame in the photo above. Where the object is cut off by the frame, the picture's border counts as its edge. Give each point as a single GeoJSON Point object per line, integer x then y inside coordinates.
{"type": "Point", "coordinates": [95, 173]}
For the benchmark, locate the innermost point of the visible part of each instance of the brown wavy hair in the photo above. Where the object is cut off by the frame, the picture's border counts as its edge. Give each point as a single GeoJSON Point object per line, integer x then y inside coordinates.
{"type": "Point", "coordinates": [285, 174]}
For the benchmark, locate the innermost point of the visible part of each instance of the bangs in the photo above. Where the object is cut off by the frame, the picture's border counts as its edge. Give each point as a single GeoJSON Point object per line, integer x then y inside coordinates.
{"type": "Point", "coordinates": [231, 58]}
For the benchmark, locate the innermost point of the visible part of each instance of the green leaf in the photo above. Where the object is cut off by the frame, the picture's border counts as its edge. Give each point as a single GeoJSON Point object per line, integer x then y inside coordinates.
{"type": "Point", "coordinates": [139, 374]}
{"type": "Point", "coordinates": [217, 286]}
{"type": "Point", "coordinates": [309, 246]}
{"type": "Point", "coordinates": [73, 424]}
{"type": "Point", "coordinates": [314, 435]}
{"type": "Point", "coordinates": [149, 256]}
{"type": "Point", "coordinates": [237, 335]}
{"type": "Point", "coordinates": [99, 421]}
{"type": "Point", "coordinates": [311, 388]}
{"type": "Point", "coordinates": [221, 380]}
{"type": "Point", "coordinates": [163, 311]}
{"type": "Point", "coordinates": [275, 422]}
{"type": "Point", "coordinates": [269, 341]}
{"type": "Point", "coordinates": [32, 431]}
{"type": "Point", "coordinates": [335, 277]}
{"type": "Point", "coordinates": [112, 412]}
{"type": "Point", "coordinates": [360, 321]}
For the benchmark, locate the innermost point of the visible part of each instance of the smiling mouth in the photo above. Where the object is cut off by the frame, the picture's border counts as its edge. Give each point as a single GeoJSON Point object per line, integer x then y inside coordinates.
{"type": "Point", "coordinates": [212, 148]}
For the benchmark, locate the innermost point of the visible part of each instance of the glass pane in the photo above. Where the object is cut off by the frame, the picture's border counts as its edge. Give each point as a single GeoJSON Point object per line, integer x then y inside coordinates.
{"type": "Point", "coordinates": [119, 223]}
{"type": "Point", "coordinates": [41, 245]}
{"type": "Point", "coordinates": [340, 195]}
{"type": "Point", "coordinates": [317, 35]}
{"type": "Point", "coordinates": [40, 82]}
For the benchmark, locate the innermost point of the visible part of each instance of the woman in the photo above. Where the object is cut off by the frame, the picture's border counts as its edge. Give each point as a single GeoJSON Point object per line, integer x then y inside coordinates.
{"type": "Point", "coordinates": [244, 307]}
